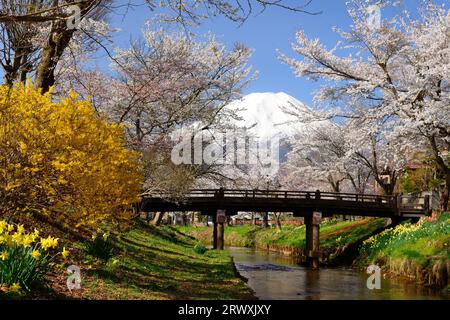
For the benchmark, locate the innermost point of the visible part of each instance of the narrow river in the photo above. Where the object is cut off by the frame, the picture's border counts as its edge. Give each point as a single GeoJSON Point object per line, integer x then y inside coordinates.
{"type": "Point", "coordinates": [273, 277]}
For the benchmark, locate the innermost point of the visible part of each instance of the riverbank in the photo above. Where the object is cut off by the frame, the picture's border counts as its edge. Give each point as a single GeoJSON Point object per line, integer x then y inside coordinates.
{"type": "Point", "coordinates": [419, 252]}
{"type": "Point", "coordinates": [337, 238]}
{"type": "Point", "coordinates": [144, 263]}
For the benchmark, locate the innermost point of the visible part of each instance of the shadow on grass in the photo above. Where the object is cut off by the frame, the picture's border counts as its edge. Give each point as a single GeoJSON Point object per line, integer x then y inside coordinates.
{"type": "Point", "coordinates": [175, 230]}
{"type": "Point", "coordinates": [166, 233]}
{"type": "Point", "coordinates": [175, 270]}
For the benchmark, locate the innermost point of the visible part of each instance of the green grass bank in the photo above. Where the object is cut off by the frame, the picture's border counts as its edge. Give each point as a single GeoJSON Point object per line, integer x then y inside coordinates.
{"type": "Point", "coordinates": [420, 251]}
{"type": "Point", "coordinates": [161, 263]}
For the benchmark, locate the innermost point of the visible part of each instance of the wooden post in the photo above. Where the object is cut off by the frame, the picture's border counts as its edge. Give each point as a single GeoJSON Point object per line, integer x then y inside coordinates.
{"type": "Point", "coordinates": [427, 205]}
{"type": "Point", "coordinates": [312, 222]}
{"type": "Point", "coordinates": [214, 232]}
{"type": "Point", "coordinates": [220, 235]}
{"type": "Point", "coordinates": [317, 194]}
{"type": "Point", "coordinates": [398, 203]}
{"type": "Point", "coordinates": [220, 227]}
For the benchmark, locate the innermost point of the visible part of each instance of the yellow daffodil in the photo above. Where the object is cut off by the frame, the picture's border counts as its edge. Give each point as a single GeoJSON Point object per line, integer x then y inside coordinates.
{"type": "Point", "coordinates": [49, 242]}
{"type": "Point", "coordinates": [10, 228]}
{"type": "Point", "coordinates": [35, 234]}
{"type": "Point", "coordinates": [17, 237]}
{"type": "Point", "coordinates": [3, 225]}
{"type": "Point", "coordinates": [65, 253]}
{"type": "Point", "coordinates": [20, 229]}
{"type": "Point", "coordinates": [27, 240]}
{"type": "Point", "coordinates": [35, 254]}
{"type": "Point", "coordinates": [4, 255]}
{"type": "Point", "coordinates": [15, 287]}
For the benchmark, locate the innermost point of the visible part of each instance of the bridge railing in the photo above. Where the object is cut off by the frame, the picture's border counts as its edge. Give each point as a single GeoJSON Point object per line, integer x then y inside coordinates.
{"type": "Point", "coordinates": [313, 195]}
{"type": "Point", "coordinates": [280, 194]}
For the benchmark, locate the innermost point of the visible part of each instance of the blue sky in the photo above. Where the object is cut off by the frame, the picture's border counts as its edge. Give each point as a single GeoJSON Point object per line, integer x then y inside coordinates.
{"type": "Point", "coordinates": [265, 33]}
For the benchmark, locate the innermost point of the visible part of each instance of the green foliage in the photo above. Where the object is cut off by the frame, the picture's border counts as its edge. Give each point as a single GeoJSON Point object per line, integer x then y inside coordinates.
{"type": "Point", "coordinates": [21, 268]}
{"type": "Point", "coordinates": [199, 248]}
{"type": "Point", "coordinates": [409, 184]}
{"type": "Point", "coordinates": [101, 247]}
{"type": "Point", "coordinates": [24, 257]}
{"type": "Point", "coordinates": [412, 241]}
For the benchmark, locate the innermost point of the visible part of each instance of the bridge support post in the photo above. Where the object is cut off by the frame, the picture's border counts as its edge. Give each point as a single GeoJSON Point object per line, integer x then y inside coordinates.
{"type": "Point", "coordinates": [219, 220]}
{"type": "Point", "coordinates": [220, 227]}
{"type": "Point", "coordinates": [312, 223]}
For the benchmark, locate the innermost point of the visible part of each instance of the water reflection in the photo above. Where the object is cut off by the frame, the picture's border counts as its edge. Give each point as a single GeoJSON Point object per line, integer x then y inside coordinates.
{"type": "Point", "coordinates": [274, 276]}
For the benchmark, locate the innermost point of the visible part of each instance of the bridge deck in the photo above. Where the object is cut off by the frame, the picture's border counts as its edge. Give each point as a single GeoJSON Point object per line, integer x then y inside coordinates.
{"type": "Point", "coordinates": [300, 203]}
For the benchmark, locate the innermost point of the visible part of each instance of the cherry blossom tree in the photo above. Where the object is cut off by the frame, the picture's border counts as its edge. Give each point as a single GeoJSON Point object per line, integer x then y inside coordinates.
{"type": "Point", "coordinates": [169, 81]}
{"type": "Point", "coordinates": [37, 35]}
{"type": "Point", "coordinates": [396, 83]}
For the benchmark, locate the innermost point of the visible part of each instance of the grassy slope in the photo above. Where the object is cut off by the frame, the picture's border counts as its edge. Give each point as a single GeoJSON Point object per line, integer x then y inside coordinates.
{"type": "Point", "coordinates": [418, 251]}
{"type": "Point", "coordinates": [333, 234]}
{"type": "Point", "coordinates": [160, 263]}
{"type": "Point", "coordinates": [149, 263]}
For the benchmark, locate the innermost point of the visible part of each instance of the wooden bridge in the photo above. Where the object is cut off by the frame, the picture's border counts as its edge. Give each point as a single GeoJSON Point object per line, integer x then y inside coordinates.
{"type": "Point", "coordinates": [312, 205]}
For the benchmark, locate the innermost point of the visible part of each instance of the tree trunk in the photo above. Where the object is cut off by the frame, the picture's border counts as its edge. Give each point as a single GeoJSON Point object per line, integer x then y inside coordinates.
{"type": "Point", "coordinates": [278, 220]}
{"type": "Point", "coordinates": [58, 41]}
{"type": "Point", "coordinates": [388, 188]}
{"type": "Point", "coordinates": [158, 218]}
{"type": "Point", "coordinates": [265, 219]}
{"type": "Point", "coordinates": [446, 193]}
{"type": "Point", "coordinates": [279, 223]}
{"type": "Point", "coordinates": [445, 169]}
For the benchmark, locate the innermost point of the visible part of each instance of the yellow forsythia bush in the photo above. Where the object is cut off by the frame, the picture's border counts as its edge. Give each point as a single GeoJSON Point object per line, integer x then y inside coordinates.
{"type": "Point", "coordinates": [61, 159]}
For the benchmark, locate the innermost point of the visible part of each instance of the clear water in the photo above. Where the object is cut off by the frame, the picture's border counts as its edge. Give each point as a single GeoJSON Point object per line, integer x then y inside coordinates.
{"type": "Point", "coordinates": [275, 277]}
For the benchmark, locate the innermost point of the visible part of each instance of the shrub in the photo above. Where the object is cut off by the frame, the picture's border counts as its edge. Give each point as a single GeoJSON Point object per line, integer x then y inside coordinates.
{"type": "Point", "coordinates": [100, 247]}
{"type": "Point", "coordinates": [199, 248]}
{"type": "Point", "coordinates": [24, 257]}
{"type": "Point", "coordinates": [62, 159]}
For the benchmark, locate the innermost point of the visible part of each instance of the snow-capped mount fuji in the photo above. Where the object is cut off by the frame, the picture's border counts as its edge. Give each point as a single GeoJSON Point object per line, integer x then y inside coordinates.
{"type": "Point", "coordinates": [262, 113]}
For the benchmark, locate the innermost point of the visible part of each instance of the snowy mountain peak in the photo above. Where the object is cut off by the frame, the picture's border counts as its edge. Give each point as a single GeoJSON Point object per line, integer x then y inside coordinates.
{"type": "Point", "coordinates": [264, 113]}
